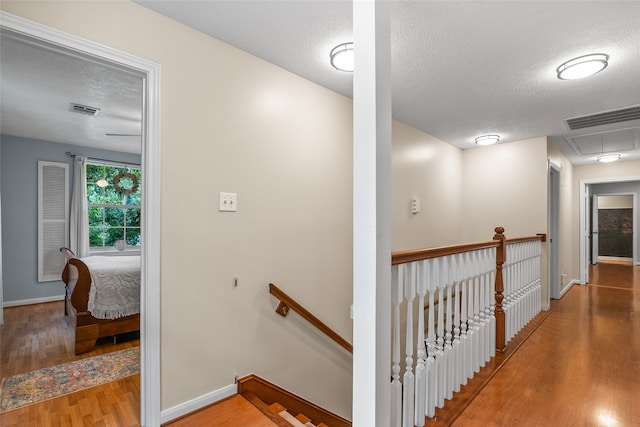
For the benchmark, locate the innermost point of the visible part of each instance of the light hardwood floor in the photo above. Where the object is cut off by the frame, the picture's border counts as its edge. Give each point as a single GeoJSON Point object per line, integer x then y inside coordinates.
{"type": "Point", "coordinates": [581, 367]}
{"type": "Point", "coordinates": [38, 336]}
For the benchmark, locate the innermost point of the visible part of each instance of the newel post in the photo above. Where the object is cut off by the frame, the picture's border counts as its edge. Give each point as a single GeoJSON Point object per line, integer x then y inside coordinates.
{"type": "Point", "coordinates": [501, 255]}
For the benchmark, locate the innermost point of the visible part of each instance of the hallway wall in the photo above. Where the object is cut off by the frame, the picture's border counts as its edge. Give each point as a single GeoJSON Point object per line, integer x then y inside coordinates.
{"type": "Point", "coordinates": [569, 267]}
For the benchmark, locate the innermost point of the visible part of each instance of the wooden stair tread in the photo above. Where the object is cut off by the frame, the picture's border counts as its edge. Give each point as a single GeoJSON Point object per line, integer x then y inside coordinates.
{"type": "Point", "coordinates": [291, 419]}
{"type": "Point", "coordinates": [277, 408]}
{"type": "Point", "coordinates": [261, 392]}
{"type": "Point", "coordinates": [303, 418]}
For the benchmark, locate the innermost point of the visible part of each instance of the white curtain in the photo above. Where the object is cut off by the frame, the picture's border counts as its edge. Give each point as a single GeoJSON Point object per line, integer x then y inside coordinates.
{"type": "Point", "coordinates": [79, 223]}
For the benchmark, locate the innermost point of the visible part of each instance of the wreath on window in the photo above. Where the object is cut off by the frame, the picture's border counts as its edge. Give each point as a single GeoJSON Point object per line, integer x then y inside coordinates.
{"type": "Point", "coordinates": [127, 189]}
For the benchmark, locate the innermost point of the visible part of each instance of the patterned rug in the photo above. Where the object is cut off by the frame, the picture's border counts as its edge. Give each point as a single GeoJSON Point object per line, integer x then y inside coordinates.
{"type": "Point", "coordinates": [43, 384]}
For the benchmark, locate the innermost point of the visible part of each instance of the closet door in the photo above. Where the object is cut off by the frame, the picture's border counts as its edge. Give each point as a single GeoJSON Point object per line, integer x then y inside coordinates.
{"type": "Point", "coordinates": [53, 218]}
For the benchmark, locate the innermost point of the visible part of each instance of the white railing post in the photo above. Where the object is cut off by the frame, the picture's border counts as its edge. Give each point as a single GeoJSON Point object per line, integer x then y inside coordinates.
{"type": "Point", "coordinates": [432, 365]}
{"type": "Point", "coordinates": [421, 369]}
{"type": "Point", "coordinates": [396, 385]}
{"type": "Point", "coordinates": [409, 380]}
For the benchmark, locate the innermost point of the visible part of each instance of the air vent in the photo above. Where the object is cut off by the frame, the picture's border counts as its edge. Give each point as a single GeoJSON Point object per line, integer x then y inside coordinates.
{"type": "Point", "coordinates": [84, 109]}
{"type": "Point", "coordinates": [605, 118]}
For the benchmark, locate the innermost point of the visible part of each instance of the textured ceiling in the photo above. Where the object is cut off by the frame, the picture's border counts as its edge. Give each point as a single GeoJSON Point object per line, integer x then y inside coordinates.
{"type": "Point", "coordinates": [460, 69]}
{"type": "Point", "coordinates": [39, 82]}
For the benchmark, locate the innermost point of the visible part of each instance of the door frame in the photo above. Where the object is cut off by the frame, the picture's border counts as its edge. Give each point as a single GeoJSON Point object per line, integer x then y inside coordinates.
{"type": "Point", "coordinates": [554, 276]}
{"type": "Point", "coordinates": [585, 218]}
{"type": "Point", "coordinates": [634, 207]}
{"type": "Point", "coordinates": [593, 227]}
{"type": "Point", "coordinates": [150, 404]}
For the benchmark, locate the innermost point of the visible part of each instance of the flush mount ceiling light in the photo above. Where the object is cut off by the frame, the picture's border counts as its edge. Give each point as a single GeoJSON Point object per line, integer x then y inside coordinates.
{"type": "Point", "coordinates": [102, 183]}
{"type": "Point", "coordinates": [487, 139]}
{"type": "Point", "coordinates": [608, 158]}
{"type": "Point", "coordinates": [583, 66]}
{"type": "Point", "coordinates": [342, 57]}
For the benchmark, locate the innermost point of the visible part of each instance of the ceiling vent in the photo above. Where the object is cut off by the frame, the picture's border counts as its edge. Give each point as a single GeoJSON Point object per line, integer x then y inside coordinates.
{"type": "Point", "coordinates": [605, 118]}
{"type": "Point", "coordinates": [84, 109]}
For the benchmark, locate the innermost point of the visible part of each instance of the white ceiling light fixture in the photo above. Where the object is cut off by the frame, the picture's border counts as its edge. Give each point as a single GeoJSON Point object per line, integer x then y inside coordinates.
{"type": "Point", "coordinates": [583, 66]}
{"type": "Point", "coordinates": [341, 57]}
{"type": "Point", "coordinates": [102, 183]}
{"type": "Point", "coordinates": [487, 139]}
{"type": "Point", "coordinates": [609, 158]}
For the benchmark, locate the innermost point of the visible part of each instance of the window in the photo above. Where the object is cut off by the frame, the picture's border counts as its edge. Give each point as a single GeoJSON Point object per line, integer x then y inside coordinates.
{"type": "Point", "coordinates": [113, 194]}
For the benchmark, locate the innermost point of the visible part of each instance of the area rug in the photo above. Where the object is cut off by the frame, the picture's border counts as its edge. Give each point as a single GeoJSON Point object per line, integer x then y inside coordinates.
{"type": "Point", "coordinates": [33, 387]}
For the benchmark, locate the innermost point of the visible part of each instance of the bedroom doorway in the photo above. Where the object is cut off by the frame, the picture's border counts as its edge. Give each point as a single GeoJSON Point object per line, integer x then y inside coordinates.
{"type": "Point", "coordinates": [36, 34]}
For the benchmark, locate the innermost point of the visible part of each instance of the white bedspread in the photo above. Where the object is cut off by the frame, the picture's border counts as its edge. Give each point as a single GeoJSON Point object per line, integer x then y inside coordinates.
{"type": "Point", "coordinates": [115, 286]}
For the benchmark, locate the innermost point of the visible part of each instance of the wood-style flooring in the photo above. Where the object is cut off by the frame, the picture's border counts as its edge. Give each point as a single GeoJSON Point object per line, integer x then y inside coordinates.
{"type": "Point", "coordinates": [580, 367]}
{"type": "Point", "coordinates": [38, 336]}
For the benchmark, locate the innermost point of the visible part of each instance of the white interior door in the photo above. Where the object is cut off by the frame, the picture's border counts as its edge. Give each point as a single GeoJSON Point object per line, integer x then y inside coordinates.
{"type": "Point", "coordinates": [594, 229]}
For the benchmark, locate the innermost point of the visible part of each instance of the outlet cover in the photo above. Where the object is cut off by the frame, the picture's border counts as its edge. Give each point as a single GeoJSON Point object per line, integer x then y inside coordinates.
{"type": "Point", "coordinates": [228, 202]}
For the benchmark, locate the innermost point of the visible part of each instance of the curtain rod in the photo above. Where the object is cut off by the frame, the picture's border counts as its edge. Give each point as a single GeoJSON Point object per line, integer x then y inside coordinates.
{"type": "Point", "coordinates": [106, 160]}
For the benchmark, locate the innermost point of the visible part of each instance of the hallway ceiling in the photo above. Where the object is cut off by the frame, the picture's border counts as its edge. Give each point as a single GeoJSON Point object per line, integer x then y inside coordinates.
{"type": "Point", "coordinates": [460, 69]}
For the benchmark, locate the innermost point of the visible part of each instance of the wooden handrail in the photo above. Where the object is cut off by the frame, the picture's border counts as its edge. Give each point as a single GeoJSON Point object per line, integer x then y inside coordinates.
{"type": "Point", "coordinates": [540, 236]}
{"type": "Point", "coordinates": [286, 303]}
{"type": "Point", "coordinates": [411, 255]}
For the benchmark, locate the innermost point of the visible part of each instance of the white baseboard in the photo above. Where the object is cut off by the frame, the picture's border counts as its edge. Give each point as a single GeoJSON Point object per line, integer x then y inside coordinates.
{"type": "Point", "coordinates": [32, 301]}
{"type": "Point", "coordinates": [568, 286]}
{"type": "Point", "coordinates": [197, 403]}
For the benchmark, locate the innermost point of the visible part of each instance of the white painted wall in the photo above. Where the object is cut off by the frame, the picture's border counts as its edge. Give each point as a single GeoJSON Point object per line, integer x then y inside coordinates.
{"type": "Point", "coordinates": [431, 170]}
{"type": "Point", "coordinates": [234, 123]}
{"type": "Point", "coordinates": [568, 217]}
{"type": "Point", "coordinates": [505, 185]}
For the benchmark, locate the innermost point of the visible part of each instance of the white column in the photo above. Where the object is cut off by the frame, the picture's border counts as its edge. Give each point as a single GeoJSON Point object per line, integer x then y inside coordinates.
{"type": "Point", "coordinates": [371, 214]}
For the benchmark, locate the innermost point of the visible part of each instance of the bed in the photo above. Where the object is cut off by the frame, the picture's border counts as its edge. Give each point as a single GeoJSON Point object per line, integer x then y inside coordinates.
{"type": "Point", "coordinates": [96, 312]}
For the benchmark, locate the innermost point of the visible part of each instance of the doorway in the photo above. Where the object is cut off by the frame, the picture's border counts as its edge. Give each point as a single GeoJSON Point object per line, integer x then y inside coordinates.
{"type": "Point", "coordinates": [150, 254]}
{"type": "Point", "coordinates": [614, 225]}
{"type": "Point", "coordinates": [590, 190]}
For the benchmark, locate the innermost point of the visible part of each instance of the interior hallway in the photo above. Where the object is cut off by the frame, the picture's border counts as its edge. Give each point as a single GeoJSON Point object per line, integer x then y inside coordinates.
{"type": "Point", "coordinates": [581, 367]}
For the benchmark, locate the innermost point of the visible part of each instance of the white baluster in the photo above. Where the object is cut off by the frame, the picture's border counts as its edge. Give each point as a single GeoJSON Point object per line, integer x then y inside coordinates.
{"type": "Point", "coordinates": [409, 379]}
{"type": "Point", "coordinates": [421, 372]}
{"type": "Point", "coordinates": [396, 385]}
{"type": "Point", "coordinates": [492, 307]}
{"type": "Point", "coordinates": [476, 314]}
{"type": "Point", "coordinates": [440, 355]}
{"type": "Point", "coordinates": [471, 335]}
{"type": "Point", "coordinates": [448, 341]}
{"type": "Point", "coordinates": [464, 339]}
{"type": "Point", "coordinates": [432, 365]}
{"type": "Point", "coordinates": [457, 347]}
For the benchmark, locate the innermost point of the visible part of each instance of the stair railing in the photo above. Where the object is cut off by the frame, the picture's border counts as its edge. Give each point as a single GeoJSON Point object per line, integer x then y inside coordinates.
{"type": "Point", "coordinates": [287, 303]}
{"type": "Point", "coordinates": [523, 283]}
{"type": "Point", "coordinates": [466, 309]}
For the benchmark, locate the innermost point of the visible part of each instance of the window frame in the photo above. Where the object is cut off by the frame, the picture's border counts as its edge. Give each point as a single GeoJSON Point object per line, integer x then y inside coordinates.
{"type": "Point", "coordinates": [111, 250]}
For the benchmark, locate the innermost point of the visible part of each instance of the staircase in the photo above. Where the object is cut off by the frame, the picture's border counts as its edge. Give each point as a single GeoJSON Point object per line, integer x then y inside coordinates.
{"type": "Point", "coordinates": [285, 409]}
